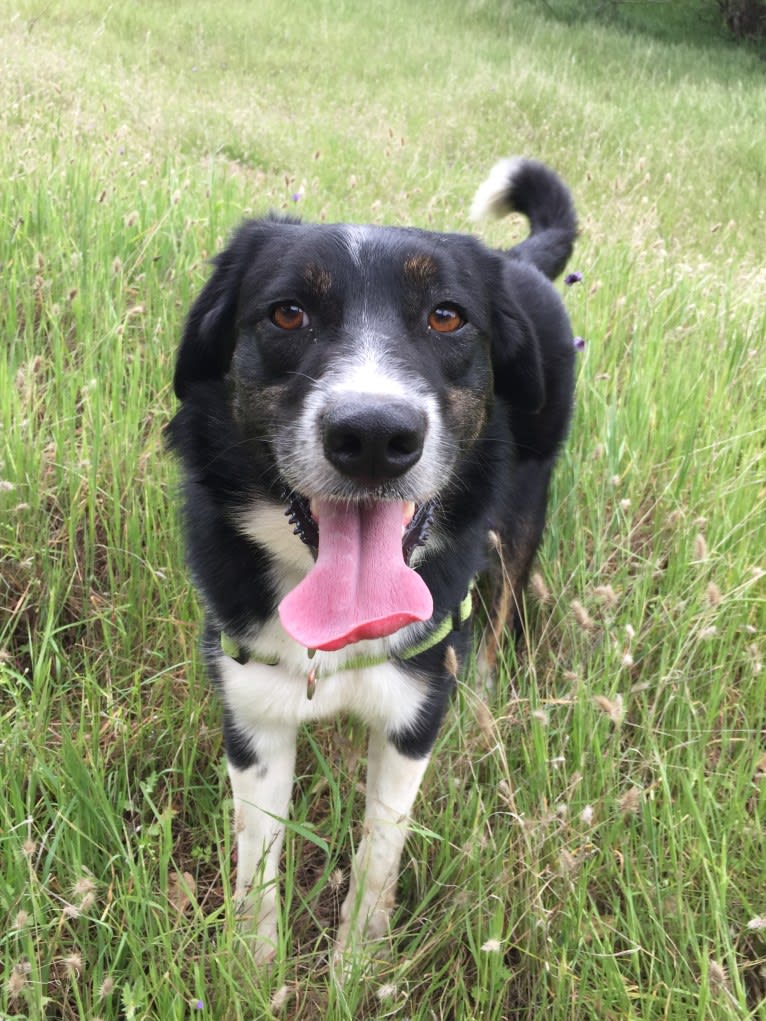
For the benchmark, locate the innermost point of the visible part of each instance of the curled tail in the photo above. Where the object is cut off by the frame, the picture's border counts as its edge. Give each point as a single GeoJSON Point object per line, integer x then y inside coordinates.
{"type": "Point", "coordinates": [526, 186]}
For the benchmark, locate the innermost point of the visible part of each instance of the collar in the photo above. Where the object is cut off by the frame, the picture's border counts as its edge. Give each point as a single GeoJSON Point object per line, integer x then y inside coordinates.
{"type": "Point", "coordinates": [451, 622]}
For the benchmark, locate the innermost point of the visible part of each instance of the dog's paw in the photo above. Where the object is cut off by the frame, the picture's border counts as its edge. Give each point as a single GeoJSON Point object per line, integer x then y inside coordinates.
{"type": "Point", "coordinates": [355, 933]}
{"type": "Point", "coordinates": [257, 929]}
{"type": "Point", "coordinates": [358, 954]}
{"type": "Point", "coordinates": [364, 935]}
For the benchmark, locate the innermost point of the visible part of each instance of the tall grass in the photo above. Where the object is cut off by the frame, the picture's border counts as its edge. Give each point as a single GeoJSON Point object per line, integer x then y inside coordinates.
{"type": "Point", "coordinates": [590, 838]}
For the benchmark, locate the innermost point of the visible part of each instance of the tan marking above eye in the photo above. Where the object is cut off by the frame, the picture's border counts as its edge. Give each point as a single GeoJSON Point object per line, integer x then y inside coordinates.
{"type": "Point", "coordinates": [421, 269]}
{"type": "Point", "coordinates": [289, 316]}
{"type": "Point", "coordinates": [318, 280]}
{"type": "Point", "coordinates": [445, 319]}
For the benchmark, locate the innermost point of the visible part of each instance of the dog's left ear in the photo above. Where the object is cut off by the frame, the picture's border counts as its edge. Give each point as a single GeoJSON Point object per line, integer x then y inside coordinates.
{"type": "Point", "coordinates": [517, 362]}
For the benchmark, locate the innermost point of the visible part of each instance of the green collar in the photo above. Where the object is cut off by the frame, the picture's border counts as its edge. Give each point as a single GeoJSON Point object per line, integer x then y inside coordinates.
{"type": "Point", "coordinates": [452, 622]}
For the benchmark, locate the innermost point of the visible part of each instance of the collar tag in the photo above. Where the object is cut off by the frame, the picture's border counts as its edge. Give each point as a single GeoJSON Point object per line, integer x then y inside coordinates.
{"type": "Point", "coordinates": [311, 683]}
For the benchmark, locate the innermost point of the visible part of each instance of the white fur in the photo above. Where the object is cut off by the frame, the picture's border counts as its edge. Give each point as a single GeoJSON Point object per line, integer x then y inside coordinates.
{"type": "Point", "coordinates": [262, 696]}
{"type": "Point", "coordinates": [393, 781]}
{"type": "Point", "coordinates": [272, 701]}
{"type": "Point", "coordinates": [356, 237]}
{"type": "Point", "coordinates": [267, 524]}
{"type": "Point", "coordinates": [368, 374]}
{"type": "Point", "coordinates": [261, 802]}
{"type": "Point", "coordinates": [491, 198]}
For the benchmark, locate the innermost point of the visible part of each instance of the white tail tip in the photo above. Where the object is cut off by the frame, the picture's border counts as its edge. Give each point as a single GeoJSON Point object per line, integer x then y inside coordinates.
{"type": "Point", "coordinates": [492, 196]}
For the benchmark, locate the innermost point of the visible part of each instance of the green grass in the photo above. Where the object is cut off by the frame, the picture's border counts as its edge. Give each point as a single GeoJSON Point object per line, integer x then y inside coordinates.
{"type": "Point", "coordinates": [589, 842]}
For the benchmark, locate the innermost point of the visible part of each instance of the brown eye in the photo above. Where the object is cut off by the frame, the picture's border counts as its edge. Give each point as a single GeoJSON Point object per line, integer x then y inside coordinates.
{"type": "Point", "coordinates": [288, 316]}
{"type": "Point", "coordinates": [445, 319]}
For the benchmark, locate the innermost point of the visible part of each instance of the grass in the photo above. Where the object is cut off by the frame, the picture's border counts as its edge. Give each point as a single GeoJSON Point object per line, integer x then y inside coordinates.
{"type": "Point", "coordinates": [589, 842]}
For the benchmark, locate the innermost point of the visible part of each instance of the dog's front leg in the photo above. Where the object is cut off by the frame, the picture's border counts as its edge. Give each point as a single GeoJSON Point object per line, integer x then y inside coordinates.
{"type": "Point", "coordinates": [393, 781]}
{"type": "Point", "coordinates": [261, 802]}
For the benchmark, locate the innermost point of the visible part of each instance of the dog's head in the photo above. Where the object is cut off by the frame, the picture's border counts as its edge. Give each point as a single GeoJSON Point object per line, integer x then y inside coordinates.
{"type": "Point", "coordinates": [360, 365]}
{"type": "Point", "coordinates": [366, 357]}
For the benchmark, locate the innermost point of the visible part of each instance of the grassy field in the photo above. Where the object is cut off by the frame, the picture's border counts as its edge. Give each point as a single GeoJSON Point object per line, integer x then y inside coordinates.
{"type": "Point", "coordinates": [589, 842]}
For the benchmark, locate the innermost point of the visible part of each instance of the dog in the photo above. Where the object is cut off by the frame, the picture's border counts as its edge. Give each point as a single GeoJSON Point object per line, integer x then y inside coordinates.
{"type": "Point", "coordinates": [362, 408]}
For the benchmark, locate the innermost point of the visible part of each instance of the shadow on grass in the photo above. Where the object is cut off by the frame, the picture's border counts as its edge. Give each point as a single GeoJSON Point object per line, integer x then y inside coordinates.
{"type": "Point", "coordinates": [696, 23]}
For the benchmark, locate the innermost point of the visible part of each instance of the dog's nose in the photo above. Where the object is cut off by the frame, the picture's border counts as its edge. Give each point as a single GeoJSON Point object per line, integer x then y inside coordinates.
{"type": "Point", "coordinates": [372, 439]}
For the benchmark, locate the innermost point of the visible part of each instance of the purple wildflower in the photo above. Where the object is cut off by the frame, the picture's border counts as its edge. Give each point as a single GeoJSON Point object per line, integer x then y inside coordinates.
{"type": "Point", "coordinates": [199, 1005]}
{"type": "Point", "coordinates": [572, 278]}
{"type": "Point", "coordinates": [579, 343]}
{"type": "Point", "coordinates": [296, 196]}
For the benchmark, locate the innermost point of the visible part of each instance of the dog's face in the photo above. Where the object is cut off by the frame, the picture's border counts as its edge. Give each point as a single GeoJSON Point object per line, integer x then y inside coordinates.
{"type": "Point", "coordinates": [379, 343]}
{"type": "Point", "coordinates": [361, 357]}
{"type": "Point", "coordinates": [364, 358]}
{"type": "Point", "coordinates": [360, 366]}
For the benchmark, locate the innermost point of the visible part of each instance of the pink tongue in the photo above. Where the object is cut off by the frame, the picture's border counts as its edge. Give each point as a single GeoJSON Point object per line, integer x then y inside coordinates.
{"type": "Point", "coordinates": [360, 586]}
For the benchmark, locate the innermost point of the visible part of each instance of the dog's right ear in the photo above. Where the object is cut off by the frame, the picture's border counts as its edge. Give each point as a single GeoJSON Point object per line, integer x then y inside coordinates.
{"type": "Point", "coordinates": [209, 335]}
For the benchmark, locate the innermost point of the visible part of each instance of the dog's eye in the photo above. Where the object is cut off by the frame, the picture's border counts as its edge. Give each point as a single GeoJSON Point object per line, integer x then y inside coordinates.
{"type": "Point", "coordinates": [288, 316]}
{"type": "Point", "coordinates": [445, 319]}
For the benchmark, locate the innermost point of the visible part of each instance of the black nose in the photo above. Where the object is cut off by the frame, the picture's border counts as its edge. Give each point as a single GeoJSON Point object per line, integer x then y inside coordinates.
{"type": "Point", "coordinates": [372, 439]}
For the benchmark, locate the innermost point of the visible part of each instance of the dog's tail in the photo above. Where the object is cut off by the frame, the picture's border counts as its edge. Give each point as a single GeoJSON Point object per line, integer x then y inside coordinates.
{"type": "Point", "coordinates": [526, 186]}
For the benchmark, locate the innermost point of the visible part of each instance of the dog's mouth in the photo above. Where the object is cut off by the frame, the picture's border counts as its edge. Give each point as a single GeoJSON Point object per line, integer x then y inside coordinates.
{"type": "Point", "coordinates": [416, 522]}
{"type": "Point", "coordinates": [361, 585]}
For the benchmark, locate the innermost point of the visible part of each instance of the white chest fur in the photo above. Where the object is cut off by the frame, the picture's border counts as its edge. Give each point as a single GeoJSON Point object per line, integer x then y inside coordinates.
{"type": "Point", "coordinates": [384, 695]}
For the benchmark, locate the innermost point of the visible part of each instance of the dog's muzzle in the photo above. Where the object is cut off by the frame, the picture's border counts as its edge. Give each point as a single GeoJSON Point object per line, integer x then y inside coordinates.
{"type": "Point", "coordinates": [361, 586]}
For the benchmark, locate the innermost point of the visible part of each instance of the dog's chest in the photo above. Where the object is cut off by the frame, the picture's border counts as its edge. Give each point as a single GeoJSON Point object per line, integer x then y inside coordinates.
{"type": "Point", "coordinates": [259, 694]}
{"type": "Point", "coordinates": [358, 680]}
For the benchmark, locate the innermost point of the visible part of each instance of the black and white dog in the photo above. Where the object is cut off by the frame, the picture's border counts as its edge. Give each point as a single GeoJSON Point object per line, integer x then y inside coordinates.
{"type": "Point", "coordinates": [361, 407]}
